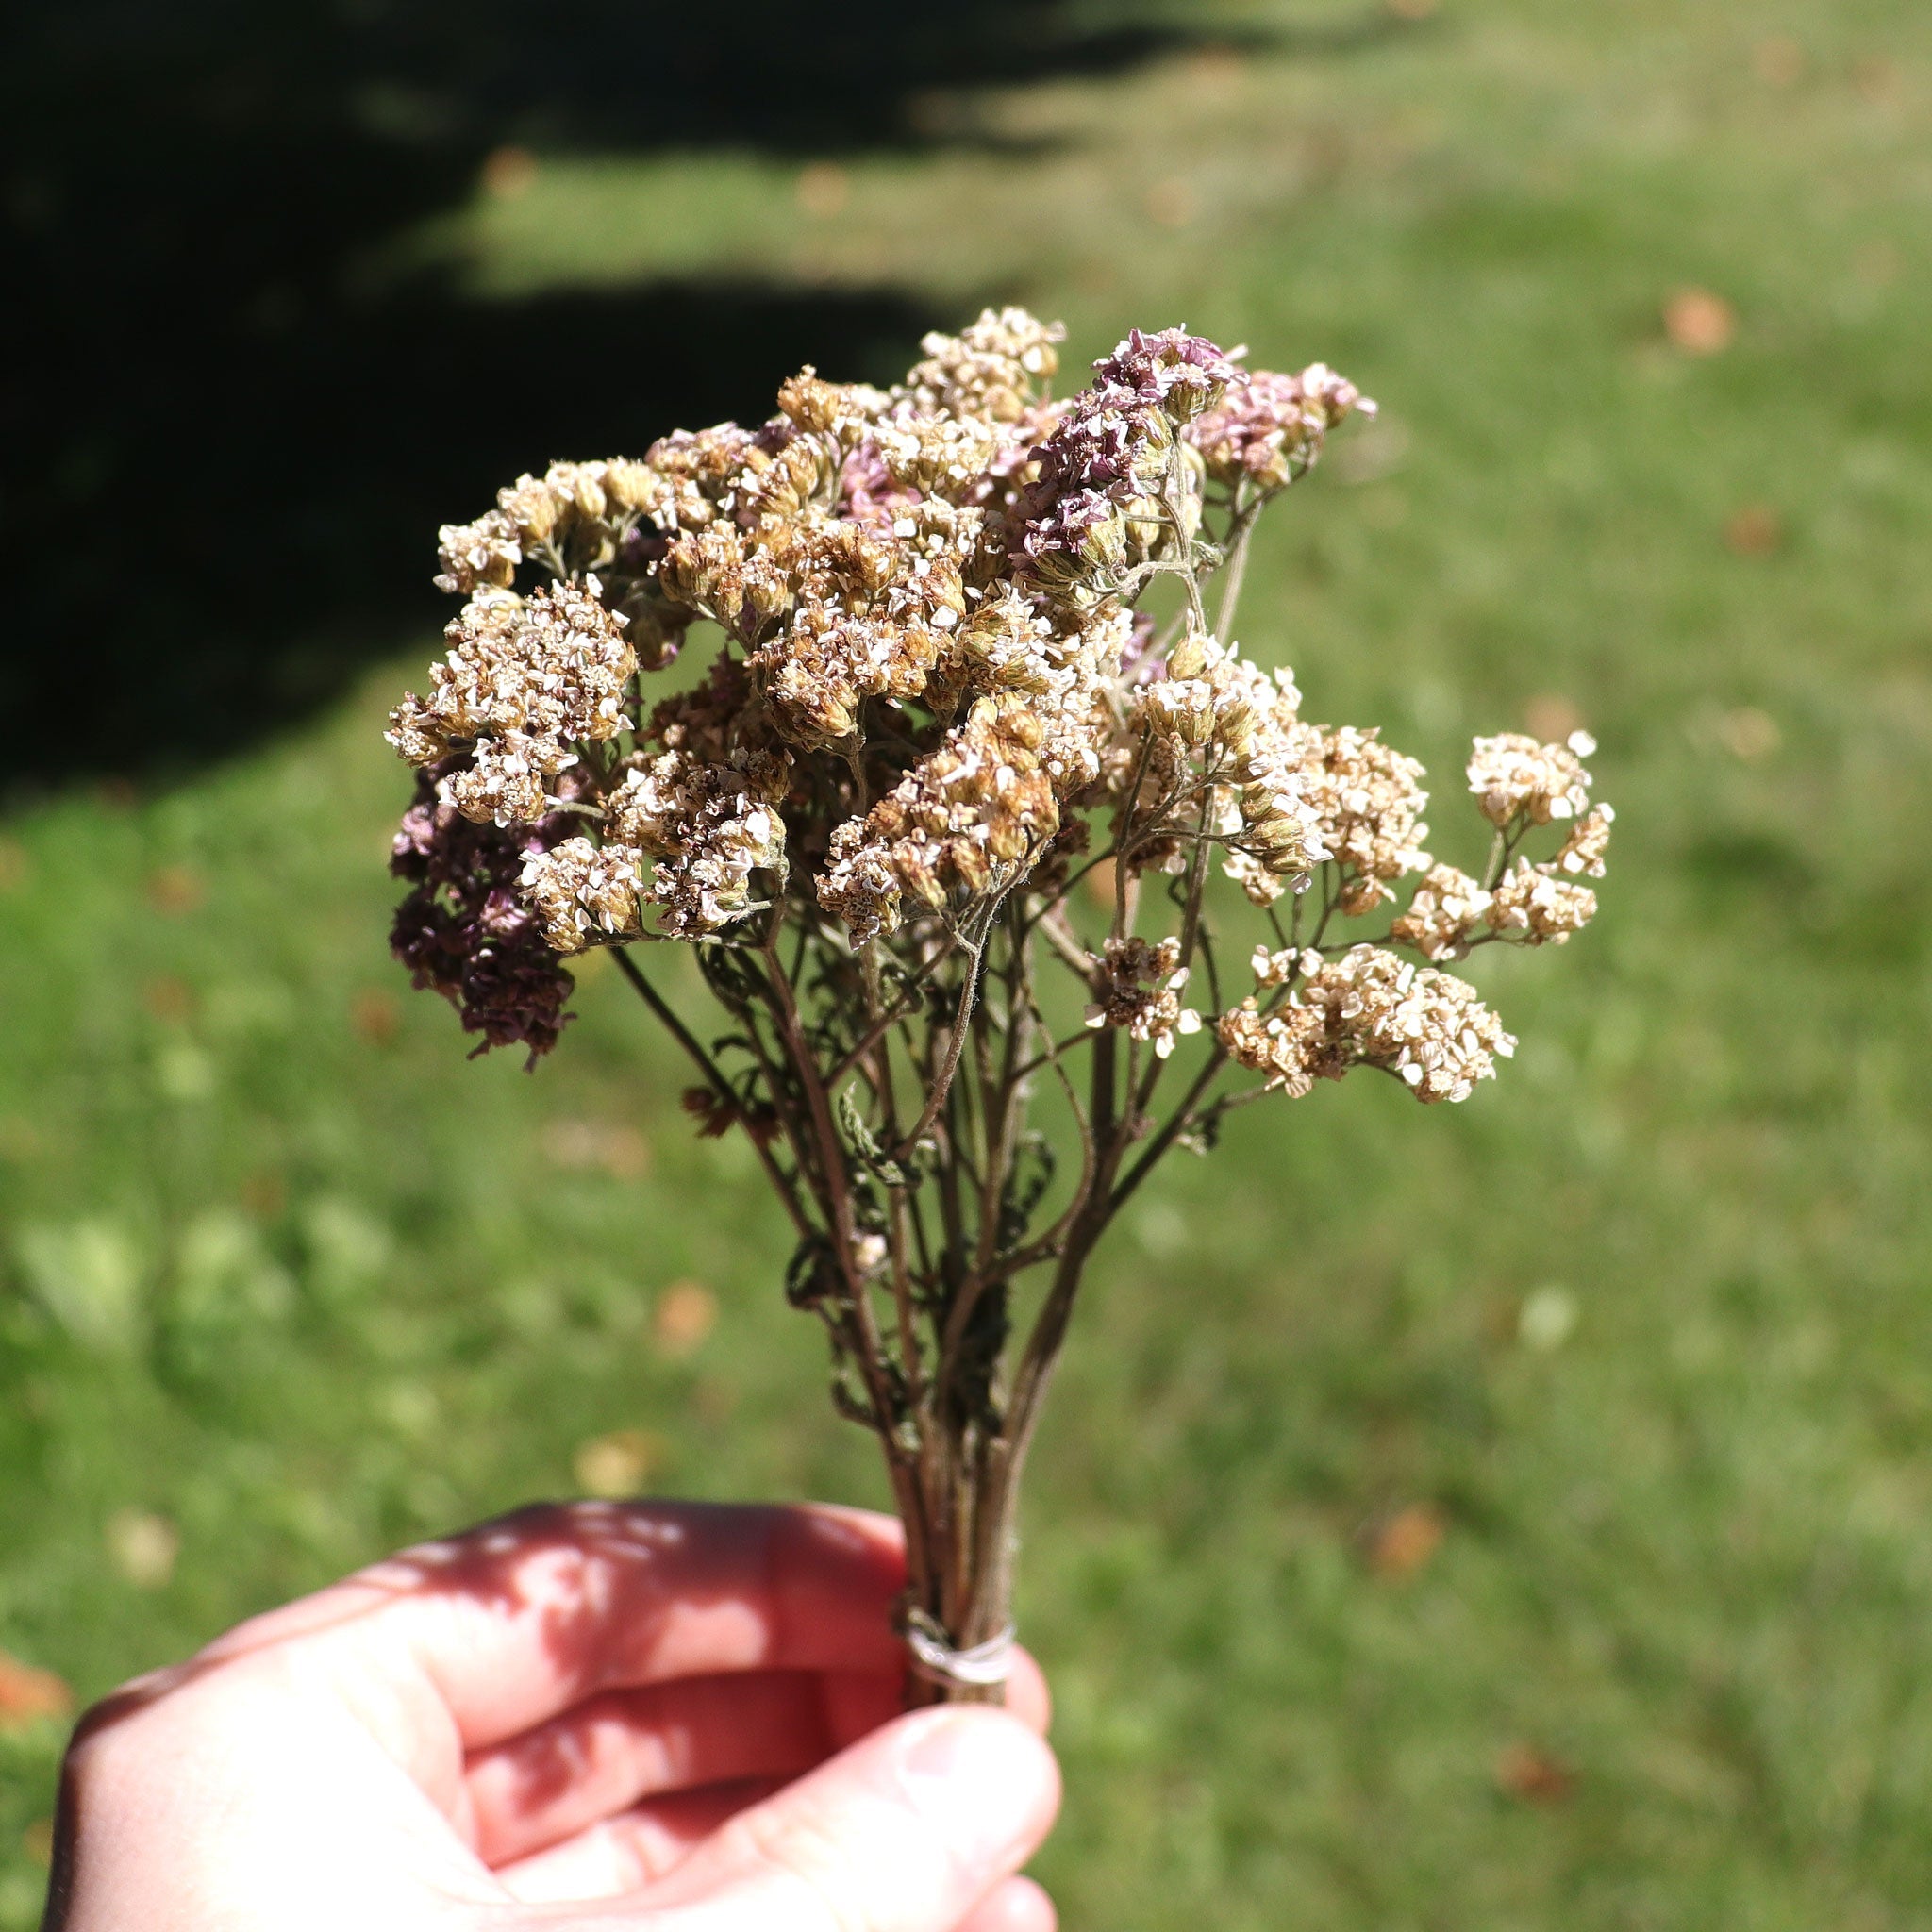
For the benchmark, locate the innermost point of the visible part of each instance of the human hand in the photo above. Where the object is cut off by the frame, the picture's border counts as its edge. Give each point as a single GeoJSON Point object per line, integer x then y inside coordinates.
{"type": "Point", "coordinates": [656, 1717]}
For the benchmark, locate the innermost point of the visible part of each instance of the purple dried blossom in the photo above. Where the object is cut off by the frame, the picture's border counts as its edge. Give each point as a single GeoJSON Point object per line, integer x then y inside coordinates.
{"type": "Point", "coordinates": [1271, 427]}
{"type": "Point", "coordinates": [867, 490]}
{"type": "Point", "coordinates": [1105, 452]}
{"type": "Point", "coordinates": [1139, 662]}
{"type": "Point", "coordinates": [1109, 451]}
{"type": "Point", "coordinates": [465, 930]}
{"type": "Point", "coordinates": [1179, 373]}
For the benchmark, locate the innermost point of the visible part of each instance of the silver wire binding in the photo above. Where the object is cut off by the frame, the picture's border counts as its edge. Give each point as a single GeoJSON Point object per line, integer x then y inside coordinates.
{"type": "Point", "coordinates": [939, 1662]}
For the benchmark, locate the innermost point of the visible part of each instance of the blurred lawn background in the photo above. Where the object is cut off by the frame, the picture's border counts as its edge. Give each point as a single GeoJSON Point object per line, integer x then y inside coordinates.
{"type": "Point", "coordinates": [1510, 1516]}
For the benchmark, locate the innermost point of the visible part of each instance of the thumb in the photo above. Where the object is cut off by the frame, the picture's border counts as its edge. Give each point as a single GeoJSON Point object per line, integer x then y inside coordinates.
{"type": "Point", "coordinates": [905, 1831]}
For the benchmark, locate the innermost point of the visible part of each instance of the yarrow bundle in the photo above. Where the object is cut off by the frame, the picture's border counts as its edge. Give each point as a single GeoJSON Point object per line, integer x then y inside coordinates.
{"type": "Point", "coordinates": [942, 788]}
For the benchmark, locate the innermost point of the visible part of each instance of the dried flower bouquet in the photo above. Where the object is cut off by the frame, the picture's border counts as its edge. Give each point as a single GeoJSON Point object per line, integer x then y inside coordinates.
{"type": "Point", "coordinates": [938, 762]}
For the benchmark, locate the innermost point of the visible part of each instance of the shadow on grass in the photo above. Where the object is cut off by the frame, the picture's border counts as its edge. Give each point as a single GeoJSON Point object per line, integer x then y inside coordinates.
{"type": "Point", "coordinates": [227, 443]}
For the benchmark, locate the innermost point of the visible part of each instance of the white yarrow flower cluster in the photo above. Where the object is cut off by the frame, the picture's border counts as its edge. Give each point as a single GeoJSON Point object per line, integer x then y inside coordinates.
{"type": "Point", "coordinates": [1512, 774]}
{"type": "Point", "coordinates": [1534, 904]}
{"type": "Point", "coordinates": [525, 683]}
{"type": "Point", "coordinates": [1138, 987]}
{"type": "Point", "coordinates": [1371, 1009]}
{"type": "Point", "coordinates": [1449, 908]}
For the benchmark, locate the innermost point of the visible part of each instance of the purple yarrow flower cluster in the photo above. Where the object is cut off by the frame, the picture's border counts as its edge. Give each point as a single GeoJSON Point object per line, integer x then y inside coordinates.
{"type": "Point", "coordinates": [1270, 427]}
{"type": "Point", "coordinates": [1178, 373]}
{"type": "Point", "coordinates": [1108, 452]}
{"type": "Point", "coordinates": [466, 931]}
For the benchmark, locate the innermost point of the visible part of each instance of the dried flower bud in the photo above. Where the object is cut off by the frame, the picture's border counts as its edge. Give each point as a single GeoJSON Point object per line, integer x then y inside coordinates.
{"type": "Point", "coordinates": [963, 821]}
{"type": "Point", "coordinates": [991, 369]}
{"type": "Point", "coordinates": [634, 488]}
{"type": "Point", "coordinates": [464, 930]}
{"type": "Point", "coordinates": [1512, 774]}
{"type": "Point", "coordinates": [532, 506]}
{"type": "Point", "coordinates": [1271, 429]}
{"type": "Point", "coordinates": [1137, 987]}
{"type": "Point", "coordinates": [578, 890]}
{"type": "Point", "coordinates": [1368, 802]}
{"type": "Point", "coordinates": [1589, 837]}
{"type": "Point", "coordinates": [1446, 912]}
{"type": "Point", "coordinates": [1532, 903]}
{"type": "Point", "coordinates": [474, 555]}
{"type": "Point", "coordinates": [1371, 1009]}
{"type": "Point", "coordinates": [1179, 373]}
{"type": "Point", "coordinates": [1188, 657]}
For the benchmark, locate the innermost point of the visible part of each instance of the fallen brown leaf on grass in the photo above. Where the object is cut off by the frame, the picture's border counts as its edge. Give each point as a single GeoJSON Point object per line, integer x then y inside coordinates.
{"type": "Point", "coordinates": [687, 1311]}
{"type": "Point", "coordinates": [142, 1546]}
{"type": "Point", "coordinates": [509, 173]}
{"type": "Point", "coordinates": [1756, 531]}
{"type": "Point", "coordinates": [714, 1401]}
{"type": "Point", "coordinates": [822, 188]}
{"type": "Point", "coordinates": [615, 1146]}
{"type": "Point", "coordinates": [1216, 67]}
{"type": "Point", "coordinates": [173, 889]}
{"type": "Point", "coordinates": [264, 1193]}
{"type": "Point", "coordinates": [375, 1015]}
{"type": "Point", "coordinates": [1699, 322]}
{"type": "Point", "coordinates": [1876, 81]}
{"type": "Point", "coordinates": [28, 1694]}
{"type": "Point", "coordinates": [618, 1464]}
{"type": "Point", "coordinates": [169, 999]}
{"type": "Point", "coordinates": [1779, 61]}
{"type": "Point", "coordinates": [1171, 204]}
{"type": "Point", "coordinates": [1534, 1777]}
{"type": "Point", "coordinates": [1551, 717]}
{"type": "Point", "coordinates": [1402, 1544]}
{"type": "Point", "coordinates": [1749, 733]}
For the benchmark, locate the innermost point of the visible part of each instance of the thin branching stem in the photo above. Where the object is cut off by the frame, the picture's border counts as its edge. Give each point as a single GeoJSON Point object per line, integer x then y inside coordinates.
{"type": "Point", "coordinates": [666, 1017]}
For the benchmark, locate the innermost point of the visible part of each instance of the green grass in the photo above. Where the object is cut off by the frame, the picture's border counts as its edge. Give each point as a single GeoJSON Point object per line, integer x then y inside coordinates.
{"type": "Point", "coordinates": [280, 1266]}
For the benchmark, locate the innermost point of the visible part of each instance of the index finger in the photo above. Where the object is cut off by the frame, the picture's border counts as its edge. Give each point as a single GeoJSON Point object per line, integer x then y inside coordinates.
{"type": "Point", "coordinates": [520, 1619]}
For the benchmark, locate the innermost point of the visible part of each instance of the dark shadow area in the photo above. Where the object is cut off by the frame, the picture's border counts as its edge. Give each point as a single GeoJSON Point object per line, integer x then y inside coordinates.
{"type": "Point", "coordinates": [226, 444]}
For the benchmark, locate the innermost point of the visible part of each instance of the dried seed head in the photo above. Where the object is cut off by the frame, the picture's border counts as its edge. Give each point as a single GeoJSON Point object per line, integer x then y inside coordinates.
{"type": "Point", "coordinates": [1512, 774]}
{"type": "Point", "coordinates": [1445, 914]}
{"type": "Point", "coordinates": [1371, 1009]}
{"type": "Point", "coordinates": [1535, 904]}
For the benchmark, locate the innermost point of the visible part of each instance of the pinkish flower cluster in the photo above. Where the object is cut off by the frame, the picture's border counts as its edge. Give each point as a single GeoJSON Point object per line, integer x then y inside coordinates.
{"type": "Point", "coordinates": [1271, 429]}
{"type": "Point", "coordinates": [1107, 496]}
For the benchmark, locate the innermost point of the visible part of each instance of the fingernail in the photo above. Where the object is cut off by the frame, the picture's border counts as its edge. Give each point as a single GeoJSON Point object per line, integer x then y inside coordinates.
{"type": "Point", "coordinates": [978, 1765]}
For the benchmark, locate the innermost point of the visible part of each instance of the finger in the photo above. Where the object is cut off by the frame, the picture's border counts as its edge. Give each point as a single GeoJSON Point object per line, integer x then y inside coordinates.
{"type": "Point", "coordinates": [856, 1704]}
{"type": "Point", "coordinates": [550, 1783]}
{"type": "Point", "coordinates": [1027, 1697]}
{"type": "Point", "coordinates": [611, 1752]}
{"type": "Point", "coordinates": [460, 1644]}
{"type": "Point", "coordinates": [633, 1849]}
{"type": "Point", "coordinates": [909, 1830]}
{"type": "Point", "coordinates": [617, 1749]}
{"type": "Point", "coordinates": [1014, 1905]}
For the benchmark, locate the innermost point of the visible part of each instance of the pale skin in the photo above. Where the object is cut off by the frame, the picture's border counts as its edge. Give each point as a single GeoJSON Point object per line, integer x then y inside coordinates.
{"type": "Point", "coordinates": [652, 1717]}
